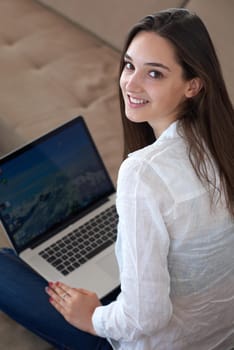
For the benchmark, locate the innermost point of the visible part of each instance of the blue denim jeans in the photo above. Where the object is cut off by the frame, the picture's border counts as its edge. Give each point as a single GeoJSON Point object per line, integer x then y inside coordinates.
{"type": "Point", "coordinates": [23, 298]}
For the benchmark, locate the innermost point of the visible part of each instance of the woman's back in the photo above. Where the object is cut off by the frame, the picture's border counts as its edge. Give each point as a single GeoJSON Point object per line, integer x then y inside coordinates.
{"type": "Point", "coordinates": [200, 258]}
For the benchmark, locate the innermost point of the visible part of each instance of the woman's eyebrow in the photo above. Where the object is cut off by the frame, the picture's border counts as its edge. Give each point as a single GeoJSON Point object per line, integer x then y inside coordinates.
{"type": "Point", "coordinates": [155, 64]}
{"type": "Point", "coordinates": [152, 64]}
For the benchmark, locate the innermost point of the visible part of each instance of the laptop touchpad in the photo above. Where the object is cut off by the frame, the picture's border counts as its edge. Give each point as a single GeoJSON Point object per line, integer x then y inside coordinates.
{"type": "Point", "coordinates": [109, 264]}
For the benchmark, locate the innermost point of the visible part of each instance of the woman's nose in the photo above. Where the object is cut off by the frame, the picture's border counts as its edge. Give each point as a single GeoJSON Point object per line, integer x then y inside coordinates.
{"type": "Point", "coordinates": [134, 82]}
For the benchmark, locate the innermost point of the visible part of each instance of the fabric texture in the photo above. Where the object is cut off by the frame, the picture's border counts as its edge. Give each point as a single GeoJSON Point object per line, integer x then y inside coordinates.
{"type": "Point", "coordinates": [175, 253]}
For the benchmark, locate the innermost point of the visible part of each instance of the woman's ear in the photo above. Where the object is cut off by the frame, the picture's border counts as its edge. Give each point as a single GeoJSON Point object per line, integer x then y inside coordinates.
{"type": "Point", "coordinates": [194, 87]}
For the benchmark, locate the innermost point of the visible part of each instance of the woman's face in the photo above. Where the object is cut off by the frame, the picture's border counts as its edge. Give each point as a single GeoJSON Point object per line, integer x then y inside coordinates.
{"type": "Point", "coordinates": [152, 82]}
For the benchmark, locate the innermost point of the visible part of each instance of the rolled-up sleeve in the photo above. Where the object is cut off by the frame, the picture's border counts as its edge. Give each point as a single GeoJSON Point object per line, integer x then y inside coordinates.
{"type": "Point", "coordinates": [143, 306]}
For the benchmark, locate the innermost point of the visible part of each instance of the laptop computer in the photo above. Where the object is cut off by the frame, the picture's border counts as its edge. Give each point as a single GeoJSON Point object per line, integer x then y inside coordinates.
{"type": "Point", "coordinates": [57, 208]}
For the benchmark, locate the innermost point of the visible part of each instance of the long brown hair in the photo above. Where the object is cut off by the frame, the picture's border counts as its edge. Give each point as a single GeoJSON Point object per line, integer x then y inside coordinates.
{"type": "Point", "coordinates": [207, 120]}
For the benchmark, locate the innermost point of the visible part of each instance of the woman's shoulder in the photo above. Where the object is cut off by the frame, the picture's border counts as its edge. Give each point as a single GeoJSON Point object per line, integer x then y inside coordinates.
{"type": "Point", "coordinates": [153, 163]}
{"type": "Point", "coordinates": [165, 164]}
{"type": "Point", "coordinates": [164, 151]}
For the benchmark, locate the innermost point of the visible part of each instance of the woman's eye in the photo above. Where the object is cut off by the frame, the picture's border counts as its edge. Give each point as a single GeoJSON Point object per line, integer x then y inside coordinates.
{"type": "Point", "coordinates": [155, 74]}
{"type": "Point", "coordinates": [128, 65]}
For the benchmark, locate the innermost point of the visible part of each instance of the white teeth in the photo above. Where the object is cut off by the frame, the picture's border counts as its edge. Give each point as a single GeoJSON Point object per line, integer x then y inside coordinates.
{"type": "Point", "coordinates": [136, 100]}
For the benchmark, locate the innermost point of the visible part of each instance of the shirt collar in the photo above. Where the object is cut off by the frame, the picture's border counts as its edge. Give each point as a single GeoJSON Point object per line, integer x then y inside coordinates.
{"type": "Point", "coordinates": [170, 132]}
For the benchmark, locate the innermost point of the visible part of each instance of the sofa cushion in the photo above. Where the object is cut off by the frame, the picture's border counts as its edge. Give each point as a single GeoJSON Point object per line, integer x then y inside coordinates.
{"type": "Point", "coordinates": [51, 70]}
{"type": "Point", "coordinates": [109, 19]}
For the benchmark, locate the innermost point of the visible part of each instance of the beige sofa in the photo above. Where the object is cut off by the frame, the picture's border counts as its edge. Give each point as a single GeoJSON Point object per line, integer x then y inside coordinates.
{"type": "Point", "coordinates": [59, 59]}
{"type": "Point", "coordinates": [110, 21]}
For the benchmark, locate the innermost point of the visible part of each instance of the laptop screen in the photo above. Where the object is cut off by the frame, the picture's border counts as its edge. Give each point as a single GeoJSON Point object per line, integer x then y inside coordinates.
{"type": "Point", "coordinates": [51, 182]}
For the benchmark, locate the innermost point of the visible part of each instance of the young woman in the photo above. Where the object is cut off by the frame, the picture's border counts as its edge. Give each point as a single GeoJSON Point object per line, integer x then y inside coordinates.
{"type": "Point", "coordinates": [175, 199]}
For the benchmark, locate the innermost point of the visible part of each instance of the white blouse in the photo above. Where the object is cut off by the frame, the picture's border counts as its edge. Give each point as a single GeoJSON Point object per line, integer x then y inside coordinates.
{"type": "Point", "coordinates": [175, 253]}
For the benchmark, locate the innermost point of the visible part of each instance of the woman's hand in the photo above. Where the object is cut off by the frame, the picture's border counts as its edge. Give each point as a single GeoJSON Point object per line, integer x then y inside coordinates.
{"type": "Point", "coordinates": [75, 304]}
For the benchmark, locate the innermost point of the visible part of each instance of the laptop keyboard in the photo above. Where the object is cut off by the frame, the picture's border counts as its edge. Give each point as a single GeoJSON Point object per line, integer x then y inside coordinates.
{"type": "Point", "coordinates": [83, 243]}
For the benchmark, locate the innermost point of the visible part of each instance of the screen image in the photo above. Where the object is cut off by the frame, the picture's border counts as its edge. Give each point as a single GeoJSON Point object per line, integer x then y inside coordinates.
{"type": "Point", "coordinates": [50, 182]}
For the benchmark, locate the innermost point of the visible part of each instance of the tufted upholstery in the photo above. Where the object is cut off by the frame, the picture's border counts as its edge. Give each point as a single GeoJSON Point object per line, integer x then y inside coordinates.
{"type": "Point", "coordinates": [117, 16]}
{"type": "Point", "coordinates": [50, 72]}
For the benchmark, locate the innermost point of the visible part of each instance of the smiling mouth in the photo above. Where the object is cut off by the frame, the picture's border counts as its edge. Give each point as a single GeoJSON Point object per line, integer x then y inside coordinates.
{"type": "Point", "coordinates": [137, 101]}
